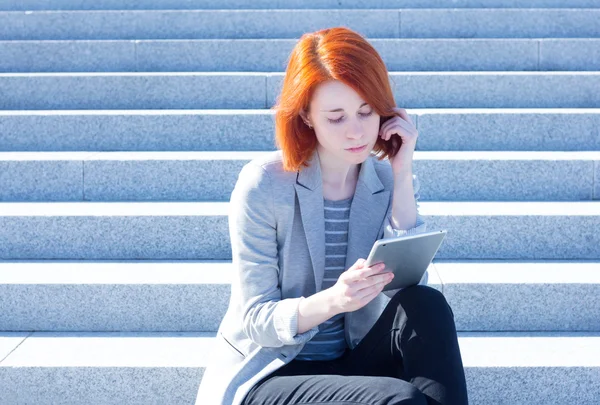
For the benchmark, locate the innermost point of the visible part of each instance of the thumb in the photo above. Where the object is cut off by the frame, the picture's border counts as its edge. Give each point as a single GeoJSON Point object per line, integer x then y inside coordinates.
{"type": "Point", "coordinates": [360, 263]}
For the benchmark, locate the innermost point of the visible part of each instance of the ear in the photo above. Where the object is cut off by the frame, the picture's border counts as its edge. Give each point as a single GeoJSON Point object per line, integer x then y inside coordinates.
{"type": "Point", "coordinates": [304, 116]}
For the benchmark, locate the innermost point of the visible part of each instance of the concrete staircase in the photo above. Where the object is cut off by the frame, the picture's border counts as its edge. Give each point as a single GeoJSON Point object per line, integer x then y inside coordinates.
{"type": "Point", "coordinates": [124, 124]}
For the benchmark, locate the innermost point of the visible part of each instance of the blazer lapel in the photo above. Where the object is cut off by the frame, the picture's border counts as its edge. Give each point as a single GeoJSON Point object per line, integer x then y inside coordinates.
{"type": "Point", "coordinates": [367, 212]}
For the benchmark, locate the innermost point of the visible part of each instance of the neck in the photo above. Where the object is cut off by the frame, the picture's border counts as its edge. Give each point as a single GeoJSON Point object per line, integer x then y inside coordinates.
{"type": "Point", "coordinates": [339, 177]}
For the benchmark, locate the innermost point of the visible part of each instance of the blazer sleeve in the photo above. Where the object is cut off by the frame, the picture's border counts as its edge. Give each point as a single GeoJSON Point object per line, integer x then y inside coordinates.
{"type": "Point", "coordinates": [420, 226]}
{"type": "Point", "coordinates": [268, 320]}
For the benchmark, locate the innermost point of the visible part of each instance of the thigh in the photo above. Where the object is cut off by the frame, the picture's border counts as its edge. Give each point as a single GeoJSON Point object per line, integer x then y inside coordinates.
{"type": "Point", "coordinates": [415, 331]}
{"type": "Point", "coordinates": [333, 389]}
{"type": "Point", "coordinates": [414, 340]}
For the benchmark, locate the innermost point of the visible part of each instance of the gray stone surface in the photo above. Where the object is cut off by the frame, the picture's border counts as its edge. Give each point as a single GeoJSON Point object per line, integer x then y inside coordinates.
{"type": "Point", "coordinates": [522, 252]}
{"type": "Point", "coordinates": [597, 181]}
{"type": "Point", "coordinates": [67, 56]}
{"type": "Point", "coordinates": [258, 4]}
{"type": "Point", "coordinates": [193, 296]}
{"type": "Point", "coordinates": [30, 176]}
{"type": "Point", "coordinates": [582, 54]}
{"type": "Point", "coordinates": [105, 368]}
{"type": "Point", "coordinates": [114, 307]}
{"type": "Point", "coordinates": [114, 231]}
{"type": "Point", "coordinates": [102, 368]}
{"type": "Point", "coordinates": [192, 24]}
{"type": "Point", "coordinates": [253, 130]}
{"type": "Point", "coordinates": [198, 230]}
{"type": "Point", "coordinates": [174, 178]}
{"type": "Point", "coordinates": [544, 295]}
{"type": "Point", "coordinates": [516, 176]}
{"type": "Point", "coordinates": [399, 54]}
{"type": "Point", "coordinates": [499, 23]}
{"type": "Point", "coordinates": [518, 230]}
{"type": "Point", "coordinates": [211, 176]}
{"type": "Point", "coordinates": [284, 23]}
{"type": "Point", "coordinates": [127, 296]}
{"type": "Point", "coordinates": [505, 130]}
{"type": "Point", "coordinates": [131, 91]}
{"type": "Point", "coordinates": [485, 89]}
{"type": "Point", "coordinates": [150, 130]}
{"type": "Point", "coordinates": [192, 90]}
{"type": "Point", "coordinates": [264, 55]}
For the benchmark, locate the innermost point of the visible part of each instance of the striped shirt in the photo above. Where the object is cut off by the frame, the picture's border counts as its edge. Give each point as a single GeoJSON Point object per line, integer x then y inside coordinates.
{"type": "Point", "coordinates": [330, 342]}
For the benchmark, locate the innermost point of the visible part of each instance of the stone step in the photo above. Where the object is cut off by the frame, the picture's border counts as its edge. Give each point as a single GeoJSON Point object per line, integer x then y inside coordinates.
{"type": "Point", "coordinates": [501, 368]}
{"type": "Point", "coordinates": [276, 4]}
{"type": "Point", "coordinates": [244, 90]}
{"type": "Point", "coordinates": [528, 230]}
{"type": "Point", "coordinates": [467, 129]}
{"type": "Point", "coordinates": [146, 296]}
{"type": "Point", "coordinates": [292, 23]}
{"type": "Point", "coordinates": [211, 176]}
{"type": "Point", "coordinates": [266, 55]}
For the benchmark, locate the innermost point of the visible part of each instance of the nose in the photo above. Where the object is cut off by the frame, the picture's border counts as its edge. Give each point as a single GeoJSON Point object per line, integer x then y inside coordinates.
{"type": "Point", "coordinates": [355, 131]}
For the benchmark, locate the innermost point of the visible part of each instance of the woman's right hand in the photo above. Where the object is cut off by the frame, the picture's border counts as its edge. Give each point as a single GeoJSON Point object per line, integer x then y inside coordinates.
{"type": "Point", "coordinates": [358, 285]}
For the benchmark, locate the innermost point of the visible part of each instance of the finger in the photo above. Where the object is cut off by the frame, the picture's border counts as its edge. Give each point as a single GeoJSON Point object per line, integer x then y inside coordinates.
{"type": "Point", "coordinates": [387, 124]}
{"type": "Point", "coordinates": [405, 126]}
{"type": "Point", "coordinates": [402, 128]}
{"type": "Point", "coordinates": [404, 120]}
{"type": "Point", "coordinates": [374, 279]}
{"type": "Point", "coordinates": [396, 129]}
{"type": "Point", "coordinates": [404, 114]}
{"type": "Point", "coordinates": [369, 297]}
{"type": "Point", "coordinates": [368, 271]}
{"type": "Point", "coordinates": [360, 263]}
{"type": "Point", "coordinates": [370, 291]}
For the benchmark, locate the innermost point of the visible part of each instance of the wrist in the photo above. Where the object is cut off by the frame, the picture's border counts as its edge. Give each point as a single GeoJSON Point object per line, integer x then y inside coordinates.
{"type": "Point", "coordinates": [330, 302]}
{"type": "Point", "coordinates": [403, 176]}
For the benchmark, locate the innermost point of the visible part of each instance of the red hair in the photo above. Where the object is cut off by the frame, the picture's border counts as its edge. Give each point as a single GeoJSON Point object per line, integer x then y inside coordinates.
{"type": "Point", "coordinates": [330, 54]}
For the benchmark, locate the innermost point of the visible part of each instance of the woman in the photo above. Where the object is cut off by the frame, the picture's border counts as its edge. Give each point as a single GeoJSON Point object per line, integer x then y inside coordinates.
{"type": "Point", "coordinates": [307, 322]}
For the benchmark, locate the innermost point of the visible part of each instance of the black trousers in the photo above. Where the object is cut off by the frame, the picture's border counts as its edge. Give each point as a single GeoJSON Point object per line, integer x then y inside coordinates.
{"type": "Point", "coordinates": [410, 356]}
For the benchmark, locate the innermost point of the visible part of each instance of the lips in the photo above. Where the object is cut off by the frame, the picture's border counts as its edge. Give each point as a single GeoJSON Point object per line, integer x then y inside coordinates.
{"type": "Point", "coordinates": [357, 148]}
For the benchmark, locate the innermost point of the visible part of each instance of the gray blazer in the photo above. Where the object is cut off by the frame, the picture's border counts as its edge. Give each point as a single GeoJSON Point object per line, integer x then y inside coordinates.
{"type": "Point", "coordinates": [277, 231]}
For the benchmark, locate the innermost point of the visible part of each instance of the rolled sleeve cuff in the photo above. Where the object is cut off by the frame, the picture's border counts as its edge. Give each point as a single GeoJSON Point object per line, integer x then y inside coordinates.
{"type": "Point", "coordinates": [390, 231]}
{"type": "Point", "coordinates": [286, 322]}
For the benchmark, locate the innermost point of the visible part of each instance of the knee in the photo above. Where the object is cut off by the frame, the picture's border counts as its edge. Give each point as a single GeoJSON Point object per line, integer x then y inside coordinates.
{"type": "Point", "coordinates": [426, 297]}
{"type": "Point", "coordinates": [435, 295]}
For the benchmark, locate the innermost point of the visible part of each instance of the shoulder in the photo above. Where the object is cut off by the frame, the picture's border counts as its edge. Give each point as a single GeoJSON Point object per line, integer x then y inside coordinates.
{"type": "Point", "coordinates": [269, 161]}
{"type": "Point", "coordinates": [268, 167]}
{"type": "Point", "coordinates": [262, 176]}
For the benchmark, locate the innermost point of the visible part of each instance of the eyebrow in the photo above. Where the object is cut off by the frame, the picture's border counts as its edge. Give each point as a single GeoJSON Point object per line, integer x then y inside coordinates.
{"type": "Point", "coordinates": [341, 109]}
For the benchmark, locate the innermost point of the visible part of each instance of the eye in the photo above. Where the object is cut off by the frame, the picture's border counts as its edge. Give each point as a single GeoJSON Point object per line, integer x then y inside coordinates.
{"type": "Point", "coordinates": [342, 117]}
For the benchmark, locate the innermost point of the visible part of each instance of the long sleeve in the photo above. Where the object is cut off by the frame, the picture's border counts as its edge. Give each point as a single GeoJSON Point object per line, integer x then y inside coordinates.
{"type": "Point", "coordinates": [268, 320]}
{"type": "Point", "coordinates": [390, 232]}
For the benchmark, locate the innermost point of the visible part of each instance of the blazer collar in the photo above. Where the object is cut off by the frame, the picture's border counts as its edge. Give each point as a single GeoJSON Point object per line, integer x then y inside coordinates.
{"type": "Point", "coordinates": [369, 207]}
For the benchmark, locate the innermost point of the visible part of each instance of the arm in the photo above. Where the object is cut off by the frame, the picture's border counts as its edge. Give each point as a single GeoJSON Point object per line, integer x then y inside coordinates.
{"type": "Point", "coordinates": [405, 218]}
{"type": "Point", "coordinates": [268, 320]}
{"type": "Point", "coordinates": [407, 208]}
{"type": "Point", "coordinates": [315, 310]}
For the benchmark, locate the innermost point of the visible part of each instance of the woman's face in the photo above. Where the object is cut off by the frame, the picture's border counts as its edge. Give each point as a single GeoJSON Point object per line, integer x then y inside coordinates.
{"type": "Point", "coordinates": [354, 123]}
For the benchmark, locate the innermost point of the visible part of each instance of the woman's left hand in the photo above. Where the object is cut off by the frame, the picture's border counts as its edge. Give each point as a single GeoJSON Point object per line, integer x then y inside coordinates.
{"type": "Point", "coordinates": [406, 130]}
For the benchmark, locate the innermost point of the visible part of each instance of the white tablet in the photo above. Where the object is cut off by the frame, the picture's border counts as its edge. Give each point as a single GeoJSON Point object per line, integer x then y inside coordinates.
{"type": "Point", "coordinates": [408, 257]}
